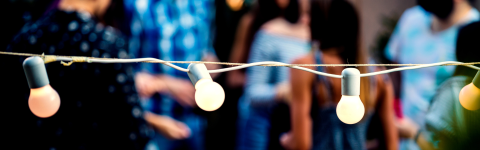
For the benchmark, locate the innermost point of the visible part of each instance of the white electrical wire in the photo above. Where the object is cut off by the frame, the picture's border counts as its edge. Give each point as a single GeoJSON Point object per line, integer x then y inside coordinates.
{"type": "Point", "coordinates": [154, 60]}
{"type": "Point", "coordinates": [416, 67]}
{"type": "Point", "coordinates": [241, 66]}
{"type": "Point", "coordinates": [274, 63]}
{"type": "Point", "coordinates": [93, 60]}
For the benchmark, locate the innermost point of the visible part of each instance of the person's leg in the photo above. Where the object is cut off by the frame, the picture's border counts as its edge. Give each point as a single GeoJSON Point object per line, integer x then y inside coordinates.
{"type": "Point", "coordinates": [257, 129]}
{"type": "Point", "coordinates": [243, 114]}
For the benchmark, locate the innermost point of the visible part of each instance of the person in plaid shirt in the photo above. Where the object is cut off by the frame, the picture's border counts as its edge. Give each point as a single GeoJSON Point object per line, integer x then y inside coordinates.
{"type": "Point", "coordinates": [171, 30]}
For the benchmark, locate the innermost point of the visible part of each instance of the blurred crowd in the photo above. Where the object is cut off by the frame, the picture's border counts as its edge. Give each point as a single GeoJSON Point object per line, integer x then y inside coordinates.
{"type": "Point", "coordinates": [152, 106]}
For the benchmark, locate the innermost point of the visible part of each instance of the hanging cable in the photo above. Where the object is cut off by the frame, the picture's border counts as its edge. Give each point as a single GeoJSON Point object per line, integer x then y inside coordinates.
{"type": "Point", "coordinates": [68, 60]}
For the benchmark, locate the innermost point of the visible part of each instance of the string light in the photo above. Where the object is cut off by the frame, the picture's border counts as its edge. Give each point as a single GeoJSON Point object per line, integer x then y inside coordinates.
{"type": "Point", "coordinates": [235, 5]}
{"type": "Point", "coordinates": [211, 95]}
{"type": "Point", "coordinates": [470, 95]}
{"type": "Point", "coordinates": [44, 100]}
{"type": "Point", "coordinates": [350, 109]}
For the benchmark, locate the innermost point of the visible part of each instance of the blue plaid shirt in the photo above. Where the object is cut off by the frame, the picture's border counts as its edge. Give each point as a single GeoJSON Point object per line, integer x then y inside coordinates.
{"type": "Point", "coordinates": [171, 30]}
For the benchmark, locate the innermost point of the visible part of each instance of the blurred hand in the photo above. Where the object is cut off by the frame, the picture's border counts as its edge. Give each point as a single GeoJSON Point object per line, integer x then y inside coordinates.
{"type": "Point", "coordinates": [146, 84]}
{"type": "Point", "coordinates": [168, 127]}
{"type": "Point", "coordinates": [181, 90]}
{"type": "Point", "coordinates": [212, 58]}
{"type": "Point", "coordinates": [286, 140]}
{"type": "Point", "coordinates": [284, 92]}
{"type": "Point", "coordinates": [235, 79]}
{"type": "Point", "coordinates": [407, 128]}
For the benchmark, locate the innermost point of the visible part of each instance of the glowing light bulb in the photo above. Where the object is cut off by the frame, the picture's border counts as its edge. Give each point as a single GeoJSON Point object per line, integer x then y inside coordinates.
{"type": "Point", "coordinates": [469, 96]}
{"type": "Point", "coordinates": [44, 102]}
{"type": "Point", "coordinates": [350, 109]}
{"type": "Point", "coordinates": [235, 5]}
{"type": "Point", "coordinates": [209, 95]}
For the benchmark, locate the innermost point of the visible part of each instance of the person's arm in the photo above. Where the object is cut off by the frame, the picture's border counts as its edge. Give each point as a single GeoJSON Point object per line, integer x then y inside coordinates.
{"type": "Point", "coordinates": [182, 90]}
{"type": "Point", "coordinates": [169, 127]}
{"type": "Point", "coordinates": [386, 112]}
{"type": "Point", "coordinates": [211, 57]}
{"type": "Point", "coordinates": [301, 121]}
{"type": "Point", "coordinates": [236, 78]}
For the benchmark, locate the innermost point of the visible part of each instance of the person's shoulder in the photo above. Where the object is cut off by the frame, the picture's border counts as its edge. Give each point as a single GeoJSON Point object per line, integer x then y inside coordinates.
{"type": "Point", "coordinates": [276, 26]}
{"type": "Point", "coordinates": [300, 76]}
{"type": "Point", "coordinates": [413, 17]}
{"type": "Point", "coordinates": [474, 15]}
{"type": "Point", "coordinates": [415, 12]}
{"type": "Point", "coordinates": [305, 59]}
{"type": "Point", "coordinates": [280, 26]}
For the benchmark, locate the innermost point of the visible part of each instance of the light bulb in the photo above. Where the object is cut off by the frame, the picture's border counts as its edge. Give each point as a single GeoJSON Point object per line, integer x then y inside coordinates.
{"type": "Point", "coordinates": [44, 102]}
{"type": "Point", "coordinates": [350, 109]}
{"type": "Point", "coordinates": [235, 5]}
{"type": "Point", "coordinates": [470, 97]}
{"type": "Point", "coordinates": [209, 95]}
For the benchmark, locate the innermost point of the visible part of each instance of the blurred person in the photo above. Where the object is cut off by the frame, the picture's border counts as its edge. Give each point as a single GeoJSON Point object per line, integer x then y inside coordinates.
{"type": "Point", "coordinates": [425, 34]}
{"type": "Point", "coordinates": [221, 130]}
{"type": "Point", "coordinates": [172, 31]}
{"type": "Point", "coordinates": [242, 44]}
{"type": "Point", "coordinates": [448, 125]}
{"type": "Point", "coordinates": [314, 121]}
{"type": "Point", "coordinates": [275, 34]}
{"type": "Point", "coordinates": [99, 103]}
{"type": "Point", "coordinates": [20, 12]}
{"type": "Point", "coordinates": [240, 50]}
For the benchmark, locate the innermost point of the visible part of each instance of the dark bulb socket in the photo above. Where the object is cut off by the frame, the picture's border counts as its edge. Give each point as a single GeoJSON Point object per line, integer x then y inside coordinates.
{"type": "Point", "coordinates": [35, 72]}
{"type": "Point", "coordinates": [476, 80]}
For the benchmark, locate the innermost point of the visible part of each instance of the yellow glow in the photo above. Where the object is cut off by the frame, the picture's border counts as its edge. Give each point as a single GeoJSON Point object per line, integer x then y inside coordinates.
{"type": "Point", "coordinates": [235, 5]}
{"type": "Point", "coordinates": [350, 109]}
{"type": "Point", "coordinates": [209, 95]}
{"type": "Point", "coordinates": [44, 102]}
{"type": "Point", "coordinates": [470, 97]}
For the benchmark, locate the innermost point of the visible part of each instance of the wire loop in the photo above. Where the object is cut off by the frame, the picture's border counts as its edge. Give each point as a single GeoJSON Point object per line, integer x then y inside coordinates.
{"type": "Point", "coordinates": [66, 64]}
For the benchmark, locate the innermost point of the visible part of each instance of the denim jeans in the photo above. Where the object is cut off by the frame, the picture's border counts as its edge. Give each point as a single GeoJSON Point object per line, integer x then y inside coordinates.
{"type": "Point", "coordinates": [255, 130]}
